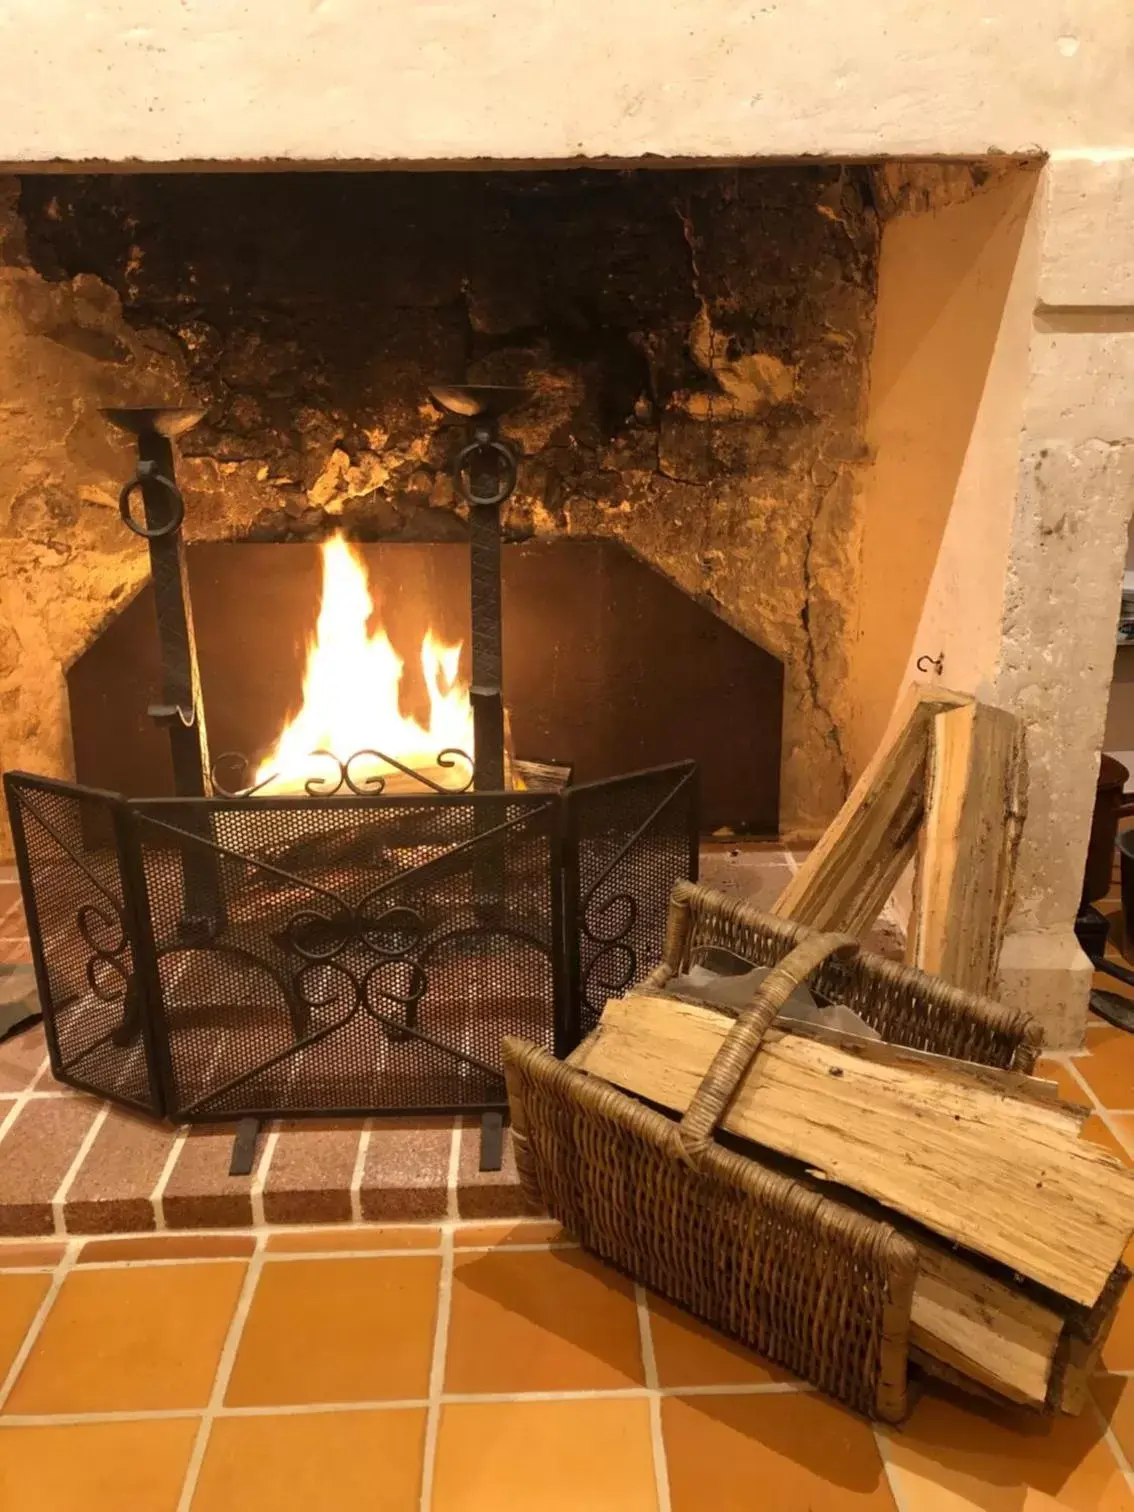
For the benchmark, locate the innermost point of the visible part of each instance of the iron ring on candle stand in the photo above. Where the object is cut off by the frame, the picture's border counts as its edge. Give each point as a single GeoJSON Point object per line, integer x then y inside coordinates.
{"type": "Point", "coordinates": [484, 472]}
{"type": "Point", "coordinates": [148, 473]}
{"type": "Point", "coordinates": [485, 449]}
{"type": "Point", "coordinates": [181, 711]}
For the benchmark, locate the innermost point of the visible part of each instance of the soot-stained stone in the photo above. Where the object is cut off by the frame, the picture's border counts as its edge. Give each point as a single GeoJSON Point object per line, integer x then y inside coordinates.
{"type": "Point", "coordinates": [696, 342]}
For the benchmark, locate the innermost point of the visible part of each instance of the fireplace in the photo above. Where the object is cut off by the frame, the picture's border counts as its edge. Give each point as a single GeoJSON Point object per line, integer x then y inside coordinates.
{"type": "Point", "coordinates": [854, 411]}
{"type": "Point", "coordinates": [354, 927]}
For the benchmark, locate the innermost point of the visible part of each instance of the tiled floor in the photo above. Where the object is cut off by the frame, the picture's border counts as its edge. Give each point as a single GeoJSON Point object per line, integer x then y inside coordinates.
{"type": "Point", "coordinates": [457, 1367]}
{"type": "Point", "coordinates": [461, 1368]}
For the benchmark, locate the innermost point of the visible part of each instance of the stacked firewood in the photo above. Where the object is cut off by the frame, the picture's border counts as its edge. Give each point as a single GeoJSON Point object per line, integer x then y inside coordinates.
{"type": "Point", "coordinates": [1020, 1224]}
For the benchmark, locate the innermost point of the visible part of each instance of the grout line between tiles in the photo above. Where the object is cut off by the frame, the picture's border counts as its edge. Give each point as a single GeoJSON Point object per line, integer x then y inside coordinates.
{"type": "Point", "coordinates": [83, 1419]}
{"type": "Point", "coordinates": [221, 1379]}
{"type": "Point", "coordinates": [519, 1249]}
{"type": "Point", "coordinates": [401, 1404]}
{"type": "Point", "coordinates": [452, 1206]}
{"type": "Point", "coordinates": [21, 1099]}
{"type": "Point", "coordinates": [35, 1327]}
{"type": "Point", "coordinates": [1112, 1442]}
{"type": "Point", "coordinates": [752, 1388]}
{"type": "Point", "coordinates": [359, 1171]}
{"type": "Point", "coordinates": [891, 1472]}
{"type": "Point", "coordinates": [146, 1262]}
{"type": "Point", "coordinates": [650, 1377]}
{"type": "Point", "coordinates": [157, 1196]}
{"type": "Point", "coordinates": [437, 1366]}
{"type": "Point", "coordinates": [260, 1179]}
{"type": "Point", "coordinates": [23, 1241]}
{"type": "Point", "coordinates": [1103, 1113]}
{"type": "Point", "coordinates": [59, 1201]}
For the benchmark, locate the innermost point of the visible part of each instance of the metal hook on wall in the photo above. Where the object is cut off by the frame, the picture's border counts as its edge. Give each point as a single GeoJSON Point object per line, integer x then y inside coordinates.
{"type": "Point", "coordinates": [934, 663]}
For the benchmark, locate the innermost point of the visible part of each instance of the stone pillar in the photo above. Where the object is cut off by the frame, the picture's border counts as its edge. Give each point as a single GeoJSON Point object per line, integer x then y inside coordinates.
{"type": "Point", "coordinates": [1073, 500]}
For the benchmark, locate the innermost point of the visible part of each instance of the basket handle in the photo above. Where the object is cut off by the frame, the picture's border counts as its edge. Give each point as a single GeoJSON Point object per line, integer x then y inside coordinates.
{"type": "Point", "coordinates": [731, 1062]}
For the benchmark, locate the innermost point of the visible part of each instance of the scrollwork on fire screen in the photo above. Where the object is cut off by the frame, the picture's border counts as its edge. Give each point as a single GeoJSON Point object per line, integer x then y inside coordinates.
{"type": "Point", "coordinates": [608, 920]}
{"type": "Point", "coordinates": [101, 926]}
{"type": "Point", "coordinates": [233, 776]}
{"type": "Point", "coordinates": [337, 958]}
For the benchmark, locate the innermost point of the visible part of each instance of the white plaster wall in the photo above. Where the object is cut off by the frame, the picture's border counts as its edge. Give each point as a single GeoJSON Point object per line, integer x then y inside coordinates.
{"type": "Point", "coordinates": [956, 293]}
{"type": "Point", "coordinates": [378, 80]}
{"type": "Point", "coordinates": [1046, 496]}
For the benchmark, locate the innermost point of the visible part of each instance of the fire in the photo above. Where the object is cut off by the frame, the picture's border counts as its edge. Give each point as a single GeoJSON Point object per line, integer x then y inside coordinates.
{"type": "Point", "coordinates": [352, 692]}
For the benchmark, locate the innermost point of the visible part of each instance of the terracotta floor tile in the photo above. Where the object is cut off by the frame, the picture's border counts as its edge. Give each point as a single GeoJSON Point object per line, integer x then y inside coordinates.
{"type": "Point", "coordinates": [523, 1231]}
{"type": "Point", "coordinates": [1118, 1351]}
{"type": "Point", "coordinates": [20, 1299]}
{"type": "Point", "coordinates": [1123, 1124]}
{"type": "Point", "coordinates": [14, 1255]}
{"type": "Point", "coordinates": [110, 1192]}
{"type": "Point", "coordinates": [1097, 1132]}
{"type": "Point", "coordinates": [316, 1462]}
{"type": "Point", "coordinates": [406, 1174]}
{"type": "Point", "coordinates": [35, 1155]}
{"type": "Point", "coordinates": [1109, 1069]}
{"type": "Point", "coordinates": [786, 1453]}
{"type": "Point", "coordinates": [200, 1193]}
{"type": "Point", "coordinates": [21, 1058]}
{"type": "Point", "coordinates": [540, 1320]}
{"type": "Point", "coordinates": [1102, 981]}
{"type": "Point", "coordinates": [952, 1456]}
{"type": "Point", "coordinates": [371, 1237]}
{"type": "Point", "coordinates": [167, 1247]}
{"type": "Point", "coordinates": [575, 1456]}
{"type": "Point", "coordinates": [488, 1194]}
{"type": "Point", "coordinates": [96, 1467]}
{"type": "Point", "coordinates": [1115, 1396]}
{"type": "Point", "coordinates": [689, 1353]}
{"type": "Point", "coordinates": [1069, 1088]}
{"type": "Point", "coordinates": [130, 1340]}
{"type": "Point", "coordinates": [311, 1170]}
{"type": "Point", "coordinates": [338, 1331]}
{"type": "Point", "coordinates": [758, 877]}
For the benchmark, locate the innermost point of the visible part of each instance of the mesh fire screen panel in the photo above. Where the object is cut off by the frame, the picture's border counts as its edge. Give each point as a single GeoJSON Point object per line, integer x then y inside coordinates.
{"type": "Point", "coordinates": [368, 954]}
{"type": "Point", "coordinates": [67, 846]}
{"type": "Point", "coordinates": [631, 839]}
{"type": "Point", "coordinates": [212, 959]}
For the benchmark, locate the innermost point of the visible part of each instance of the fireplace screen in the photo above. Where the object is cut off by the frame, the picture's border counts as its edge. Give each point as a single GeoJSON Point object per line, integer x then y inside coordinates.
{"type": "Point", "coordinates": [209, 959]}
{"type": "Point", "coordinates": [360, 941]}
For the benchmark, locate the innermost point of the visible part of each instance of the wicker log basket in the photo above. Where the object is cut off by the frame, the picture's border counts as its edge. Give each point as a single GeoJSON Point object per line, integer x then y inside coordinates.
{"type": "Point", "coordinates": [801, 1279]}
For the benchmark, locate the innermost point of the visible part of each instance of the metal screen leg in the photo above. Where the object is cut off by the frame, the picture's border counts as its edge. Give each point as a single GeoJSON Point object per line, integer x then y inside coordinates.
{"type": "Point", "coordinates": [244, 1147]}
{"type": "Point", "coordinates": [491, 1141]}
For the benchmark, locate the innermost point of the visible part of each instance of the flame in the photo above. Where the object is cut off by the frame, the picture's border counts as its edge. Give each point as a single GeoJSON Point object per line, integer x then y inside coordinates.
{"type": "Point", "coordinates": [352, 691]}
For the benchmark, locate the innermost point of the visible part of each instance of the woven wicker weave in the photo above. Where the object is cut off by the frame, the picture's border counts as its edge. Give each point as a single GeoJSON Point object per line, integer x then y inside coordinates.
{"type": "Point", "coordinates": [803, 1280]}
{"type": "Point", "coordinates": [904, 1005]}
